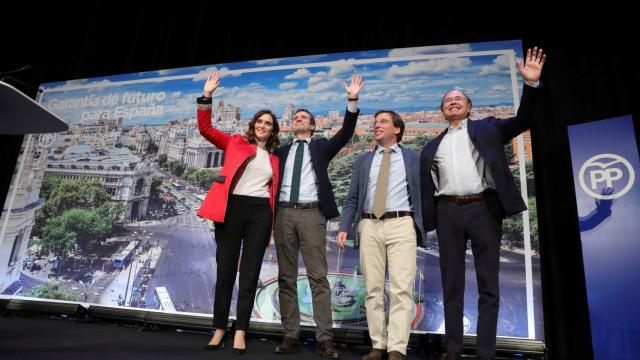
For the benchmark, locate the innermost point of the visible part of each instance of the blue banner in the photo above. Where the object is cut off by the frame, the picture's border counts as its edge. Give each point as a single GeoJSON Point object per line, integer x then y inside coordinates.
{"type": "Point", "coordinates": [604, 155]}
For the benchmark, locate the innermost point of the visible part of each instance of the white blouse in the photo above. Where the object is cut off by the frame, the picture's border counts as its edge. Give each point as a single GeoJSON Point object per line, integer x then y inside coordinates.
{"type": "Point", "coordinates": [256, 176]}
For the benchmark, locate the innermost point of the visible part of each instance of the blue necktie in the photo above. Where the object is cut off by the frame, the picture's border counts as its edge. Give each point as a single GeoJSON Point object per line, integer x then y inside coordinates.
{"type": "Point", "coordinates": [297, 172]}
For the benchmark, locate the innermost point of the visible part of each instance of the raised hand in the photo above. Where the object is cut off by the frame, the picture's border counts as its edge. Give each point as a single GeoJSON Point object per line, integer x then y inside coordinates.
{"type": "Point", "coordinates": [356, 85]}
{"type": "Point", "coordinates": [532, 68]}
{"type": "Point", "coordinates": [213, 81]}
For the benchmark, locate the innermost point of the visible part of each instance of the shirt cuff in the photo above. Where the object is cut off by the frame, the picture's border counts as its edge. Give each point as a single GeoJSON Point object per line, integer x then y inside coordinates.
{"type": "Point", "coordinates": [534, 84]}
{"type": "Point", "coordinates": [352, 108]}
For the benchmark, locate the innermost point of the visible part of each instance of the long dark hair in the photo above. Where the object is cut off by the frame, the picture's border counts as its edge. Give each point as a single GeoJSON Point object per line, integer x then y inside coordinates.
{"type": "Point", "coordinates": [273, 141]}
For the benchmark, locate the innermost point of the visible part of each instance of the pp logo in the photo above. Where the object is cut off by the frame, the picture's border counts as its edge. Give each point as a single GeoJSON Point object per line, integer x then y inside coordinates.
{"type": "Point", "coordinates": [605, 169]}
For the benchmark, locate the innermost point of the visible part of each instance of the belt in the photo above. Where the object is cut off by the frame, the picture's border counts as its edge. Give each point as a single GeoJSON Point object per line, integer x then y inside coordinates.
{"type": "Point", "coordinates": [387, 215]}
{"type": "Point", "coordinates": [290, 205]}
{"type": "Point", "coordinates": [466, 199]}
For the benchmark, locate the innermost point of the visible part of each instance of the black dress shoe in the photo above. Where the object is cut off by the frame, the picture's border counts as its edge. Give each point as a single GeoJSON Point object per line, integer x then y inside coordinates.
{"type": "Point", "coordinates": [450, 355]}
{"type": "Point", "coordinates": [289, 345]}
{"type": "Point", "coordinates": [238, 351]}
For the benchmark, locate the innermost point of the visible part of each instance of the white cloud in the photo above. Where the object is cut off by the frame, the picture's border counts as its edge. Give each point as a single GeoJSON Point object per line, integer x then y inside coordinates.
{"type": "Point", "coordinates": [167, 72]}
{"type": "Point", "coordinates": [377, 95]}
{"type": "Point", "coordinates": [287, 85]}
{"type": "Point", "coordinates": [308, 58]}
{"type": "Point", "coordinates": [95, 85]}
{"type": "Point", "coordinates": [318, 77]}
{"type": "Point", "coordinates": [471, 91]}
{"type": "Point", "coordinates": [430, 50]}
{"type": "Point", "coordinates": [321, 87]}
{"type": "Point", "coordinates": [341, 67]}
{"type": "Point", "coordinates": [403, 98]}
{"type": "Point", "coordinates": [499, 88]}
{"type": "Point", "coordinates": [436, 66]}
{"type": "Point", "coordinates": [268, 61]}
{"type": "Point", "coordinates": [299, 74]}
{"type": "Point", "coordinates": [299, 59]}
{"type": "Point", "coordinates": [184, 105]}
{"type": "Point", "coordinates": [500, 64]}
{"type": "Point", "coordinates": [204, 74]}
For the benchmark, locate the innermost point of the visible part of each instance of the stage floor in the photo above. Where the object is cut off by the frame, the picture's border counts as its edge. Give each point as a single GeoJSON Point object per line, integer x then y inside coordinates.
{"type": "Point", "coordinates": [42, 337]}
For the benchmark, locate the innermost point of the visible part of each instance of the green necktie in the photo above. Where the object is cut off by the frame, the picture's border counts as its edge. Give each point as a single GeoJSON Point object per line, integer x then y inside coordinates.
{"type": "Point", "coordinates": [297, 172]}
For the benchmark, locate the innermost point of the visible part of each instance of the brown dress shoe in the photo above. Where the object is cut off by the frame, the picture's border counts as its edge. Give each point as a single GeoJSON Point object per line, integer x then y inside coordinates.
{"type": "Point", "coordinates": [396, 355]}
{"type": "Point", "coordinates": [289, 345]}
{"type": "Point", "coordinates": [374, 354]}
{"type": "Point", "coordinates": [326, 349]}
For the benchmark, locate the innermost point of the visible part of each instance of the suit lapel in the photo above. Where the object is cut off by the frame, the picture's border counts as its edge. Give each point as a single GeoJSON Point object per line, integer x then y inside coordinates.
{"type": "Point", "coordinates": [364, 177]}
{"type": "Point", "coordinates": [408, 164]}
{"type": "Point", "coordinates": [284, 154]}
{"type": "Point", "coordinates": [436, 143]}
{"type": "Point", "coordinates": [472, 126]}
{"type": "Point", "coordinates": [312, 150]}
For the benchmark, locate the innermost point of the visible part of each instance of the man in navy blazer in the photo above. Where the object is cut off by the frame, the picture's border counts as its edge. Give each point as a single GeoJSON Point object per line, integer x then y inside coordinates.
{"type": "Point", "coordinates": [386, 210]}
{"type": "Point", "coordinates": [305, 202]}
{"type": "Point", "coordinates": [467, 190]}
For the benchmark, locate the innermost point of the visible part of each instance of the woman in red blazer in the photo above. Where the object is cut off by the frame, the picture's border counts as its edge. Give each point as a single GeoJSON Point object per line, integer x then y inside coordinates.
{"type": "Point", "coordinates": [241, 204]}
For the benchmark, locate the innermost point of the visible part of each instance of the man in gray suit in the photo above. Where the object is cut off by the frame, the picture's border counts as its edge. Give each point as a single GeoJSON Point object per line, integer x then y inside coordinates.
{"type": "Point", "coordinates": [387, 212]}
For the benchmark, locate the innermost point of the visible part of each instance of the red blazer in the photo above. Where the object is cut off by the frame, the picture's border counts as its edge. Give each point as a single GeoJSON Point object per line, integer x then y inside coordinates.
{"type": "Point", "coordinates": [237, 151]}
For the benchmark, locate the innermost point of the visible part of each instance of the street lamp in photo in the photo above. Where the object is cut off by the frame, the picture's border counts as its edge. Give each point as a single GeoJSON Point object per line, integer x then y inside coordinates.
{"type": "Point", "coordinates": [339, 258]}
{"type": "Point", "coordinates": [86, 288]}
{"type": "Point", "coordinates": [134, 259]}
{"type": "Point", "coordinates": [142, 237]}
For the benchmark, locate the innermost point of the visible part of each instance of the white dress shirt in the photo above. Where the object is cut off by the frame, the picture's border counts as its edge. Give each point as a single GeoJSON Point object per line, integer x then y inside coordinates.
{"type": "Point", "coordinates": [308, 181]}
{"type": "Point", "coordinates": [397, 187]}
{"type": "Point", "coordinates": [458, 168]}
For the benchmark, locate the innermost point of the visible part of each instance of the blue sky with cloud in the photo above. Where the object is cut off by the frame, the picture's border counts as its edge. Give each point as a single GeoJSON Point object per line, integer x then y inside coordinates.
{"type": "Point", "coordinates": [409, 79]}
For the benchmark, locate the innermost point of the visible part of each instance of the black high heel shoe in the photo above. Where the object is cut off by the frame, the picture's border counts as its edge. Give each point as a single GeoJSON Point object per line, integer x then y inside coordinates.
{"type": "Point", "coordinates": [238, 351]}
{"type": "Point", "coordinates": [218, 346]}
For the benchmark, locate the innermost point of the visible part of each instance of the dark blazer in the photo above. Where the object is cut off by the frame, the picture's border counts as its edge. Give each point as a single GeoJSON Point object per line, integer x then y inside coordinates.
{"type": "Point", "coordinates": [322, 151]}
{"type": "Point", "coordinates": [488, 136]}
{"type": "Point", "coordinates": [354, 203]}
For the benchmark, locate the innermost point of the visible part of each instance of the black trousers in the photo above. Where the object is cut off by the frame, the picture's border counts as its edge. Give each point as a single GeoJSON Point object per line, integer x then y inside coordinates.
{"type": "Point", "coordinates": [248, 225]}
{"type": "Point", "coordinates": [455, 224]}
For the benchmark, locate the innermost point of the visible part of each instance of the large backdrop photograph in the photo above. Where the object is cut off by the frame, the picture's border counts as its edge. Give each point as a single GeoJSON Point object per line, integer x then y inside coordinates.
{"type": "Point", "coordinates": [105, 213]}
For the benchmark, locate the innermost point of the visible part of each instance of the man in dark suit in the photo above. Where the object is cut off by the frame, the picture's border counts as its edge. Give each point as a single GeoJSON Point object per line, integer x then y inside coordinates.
{"type": "Point", "coordinates": [305, 202]}
{"type": "Point", "coordinates": [387, 212]}
{"type": "Point", "coordinates": [467, 190]}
